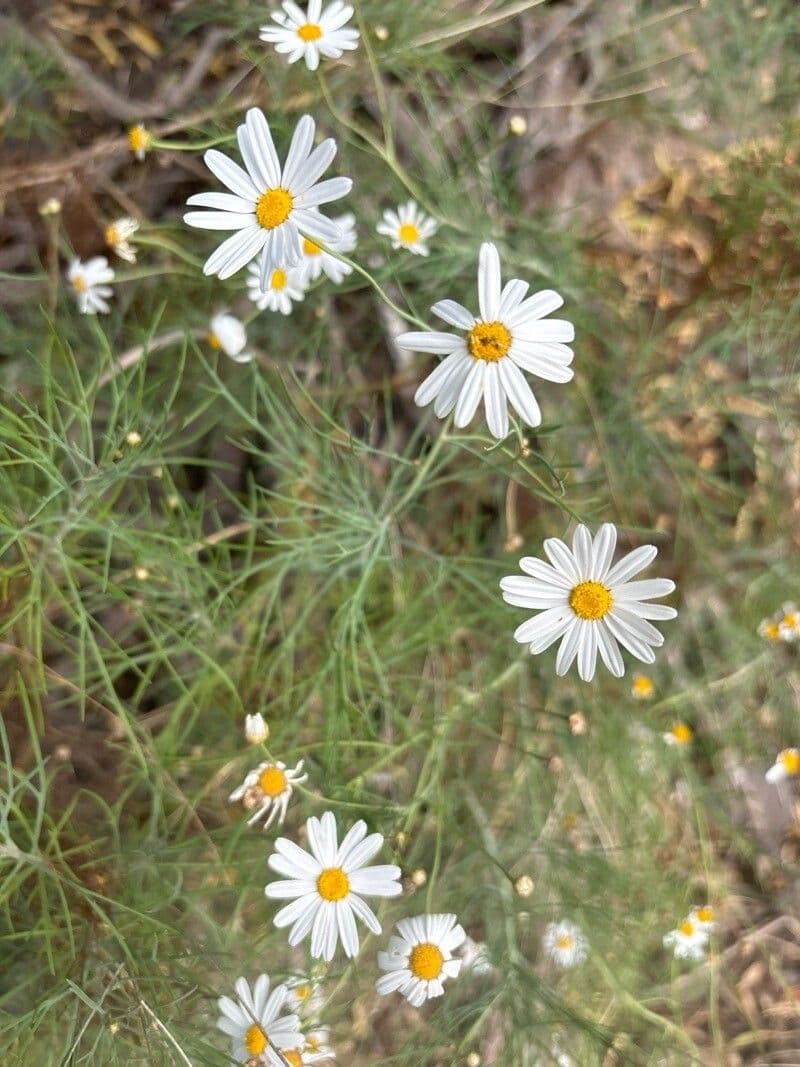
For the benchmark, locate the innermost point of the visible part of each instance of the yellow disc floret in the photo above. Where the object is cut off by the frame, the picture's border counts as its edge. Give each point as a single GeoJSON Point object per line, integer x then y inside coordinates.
{"type": "Point", "coordinates": [272, 781]}
{"type": "Point", "coordinates": [789, 759]}
{"type": "Point", "coordinates": [278, 279]}
{"type": "Point", "coordinates": [273, 207]}
{"type": "Point", "coordinates": [310, 248]}
{"type": "Point", "coordinates": [564, 943]}
{"type": "Point", "coordinates": [408, 233]}
{"type": "Point", "coordinates": [642, 687]}
{"type": "Point", "coordinates": [489, 341]}
{"type": "Point", "coordinates": [425, 961]}
{"type": "Point", "coordinates": [139, 140]}
{"type": "Point", "coordinates": [255, 1040]}
{"type": "Point", "coordinates": [79, 283]}
{"type": "Point", "coordinates": [681, 733]}
{"type": "Point", "coordinates": [686, 928]}
{"type": "Point", "coordinates": [294, 1057]}
{"type": "Point", "coordinates": [590, 600]}
{"type": "Point", "coordinates": [333, 884]}
{"type": "Point", "coordinates": [704, 914]}
{"type": "Point", "coordinates": [309, 31]}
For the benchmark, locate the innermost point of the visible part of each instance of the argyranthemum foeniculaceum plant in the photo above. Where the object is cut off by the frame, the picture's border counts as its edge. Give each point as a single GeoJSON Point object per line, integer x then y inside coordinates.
{"type": "Point", "coordinates": [256, 1023]}
{"type": "Point", "coordinates": [311, 34]}
{"type": "Point", "coordinates": [90, 284]}
{"type": "Point", "coordinates": [419, 958]}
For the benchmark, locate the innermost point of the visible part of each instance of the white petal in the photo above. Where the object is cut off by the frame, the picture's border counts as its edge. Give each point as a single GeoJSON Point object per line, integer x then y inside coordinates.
{"type": "Point", "coordinates": [471, 393]}
{"type": "Point", "coordinates": [587, 651]}
{"type": "Point", "coordinates": [429, 341]}
{"type": "Point", "coordinates": [261, 137]}
{"type": "Point", "coordinates": [316, 164]}
{"type": "Point", "coordinates": [537, 568]}
{"type": "Point", "coordinates": [644, 590]}
{"type": "Point", "coordinates": [609, 650]}
{"type": "Point", "coordinates": [513, 293]}
{"type": "Point", "coordinates": [222, 202]}
{"type": "Point", "coordinates": [324, 192]}
{"type": "Point", "coordinates": [562, 559]}
{"type": "Point", "coordinates": [582, 551]}
{"type": "Point", "coordinates": [438, 377]}
{"type": "Point", "coordinates": [219, 220]}
{"type": "Point", "coordinates": [535, 307]}
{"type": "Point", "coordinates": [605, 542]}
{"type": "Point", "coordinates": [494, 400]}
{"type": "Point", "coordinates": [489, 282]}
{"type": "Point", "coordinates": [302, 140]}
{"type": "Point", "coordinates": [453, 313]}
{"type": "Point", "coordinates": [569, 648]}
{"type": "Point", "coordinates": [532, 629]}
{"type": "Point", "coordinates": [347, 928]}
{"type": "Point", "coordinates": [519, 393]}
{"type": "Point", "coordinates": [631, 564]}
{"type": "Point", "coordinates": [231, 174]}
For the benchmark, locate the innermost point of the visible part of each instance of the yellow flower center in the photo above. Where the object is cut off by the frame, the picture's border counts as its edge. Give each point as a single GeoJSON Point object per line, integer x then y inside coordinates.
{"type": "Point", "coordinates": [139, 140]}
{"type": "Point", "coordinates": [789, 620]}
{"type": "Point", "coordinates": [310, 248]}
{"type": "Point", "coordinates": [111, 236]}
{"type": "Point", "coordinates": [590, 600]}
{"type": "Point", "coordinates": [488, 341]}
{"type": "Point", "coordinates": [309, 31]}
{"type": "Point", "coordinates": [333, 884]}
{"type": "Point", "coordinates": [273, 207]}
{"type": "Point", "coordinates": [79, 283]}
{"type": "Point", "coordinates": [214, 341]}
{"type": "Point", "coordinates": [425, 961]}
{"type": "Point", "coordinates": [790, 760]}
{"type": "Point", "coordinates": [564, 942]}
{"type": "Point", "coordinates": [293, 1057]}
{"type": "Point", "coordinates": [272, 781]}
{"type": "Point", "coordinates": [313, 1044]}
{"type": "Point", "coordinates": [302, 992]}
{"type": "Point", "coordinates": [278, 279]}
{"type": "Point", "coordinates": [255, 1040]}
{"type": "Point", "coordinates": [642, 686]}
{"type": "Point", "coordinates": [408, 233]}
{"type": "Point", "coordinates": [681, 733]}
{"type": "Point", "coordinates": [704, 914]}
{"type": "Point", "coordinates": [770, 631]}
{"type": "Point", "coordinates": [686, 928]}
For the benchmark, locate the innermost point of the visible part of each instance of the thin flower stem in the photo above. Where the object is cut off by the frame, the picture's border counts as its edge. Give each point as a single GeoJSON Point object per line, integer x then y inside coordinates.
{"type": "Point", "coordinates": [376, 286]}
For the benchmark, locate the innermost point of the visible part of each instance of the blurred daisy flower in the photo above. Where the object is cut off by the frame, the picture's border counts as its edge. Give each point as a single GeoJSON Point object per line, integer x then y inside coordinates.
{"type": "Point", "coordinates": [688, 941]}
{"type": "Point", "coordinates": [327, 885]}
{"type": "Point", "coordinates": [787, 765]}
{"type": "Point", "coordinates": [317, 1042]}
{"type": "Point", "coordinates": [784, 625]}
{"type": "Point", "coordinates": [140, 141]}
{"type": "Point", "coordinates": [304, 996]}
{"type": "Point", "coordinates": [284, 288]}
{"type": "Point", "coordinates": [255, 1024]}
{"type": "Point", "coordinates": [408, 228]}
{"type": "Point", "coordinates": [305, 1056]}
{"type": "Point", "coordinates": [89, 283]}
{"type": "Point", "coordinates": [511, 335]}
{"type": "Point", "coordinates": [420, 958]}
{"type": "Point", "coordinates": [118, 238]}
{"type": "Point", "coordinates": [475, 957]}
{"type": "Point", "coordinates": [703, 915]}
{"type": "Point", "coordinates": [227, 334]}
{"type": "Point", "coordinates": [267, 790]}
{"type": "Point", "coordinates": [269, 207]}
{"type": "Point", "coordinates": [256, 729]}
{"type": "Point", "coordinates": [642, 687]}
{"type": "Point", "coordinates": [680, 735]}
{"type": "Point", "coordinates": [588, 603]}
{"type": "Point", "coordinates": [316, 261]}
{"type": "Point", "coordinates": [565, 944]}
{"type": "Point", "coordinates": [311, 34]}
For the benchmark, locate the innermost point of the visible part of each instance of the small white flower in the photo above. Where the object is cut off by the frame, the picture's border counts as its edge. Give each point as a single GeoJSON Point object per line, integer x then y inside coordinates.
{"type": "Point", "coordinates": [510, 336]}
{"type": "Point", "coordinates": [420, 958]}
{"type": "Point", "coordinates": [317, 1045]}
{"type": "Point", "coordinates": [227, 333]}
{"type": "Point", "coordinates": [408, 228]}
{"type": "Point", "coordinates": [475, 957]}
{"type": "Point", "coordinates": [140, 141]}
{"type": "Point", "coordinates": [589, 603]}
{"type": "Point", "coordinates": [787, 765]}
{"type": "Point", "coordinates": [788, 619]}
{"type": "Point", "coordinates": [688, 941]}
{"type": "Point", "coordinates": [703, 915]}
{"type": "Point", "coordinates": [313, 33]}
{"type": "Point", "coordinates": [316, 261]}
{"type": "Point", "coordinates": [565, 944]}
{"type": "Point", "coordinates": [326, 885]}
{"type": "Point", "coordinates": [269, 207]}
{"type": "Point", "coordinates": [679, 736]}
{"type": "Point", "coordinates": [118, 238]}
{"type": "Point", "coordinates": [268, 790]}
{"type": "Point", "coordinates": [306, 1056]}
{"type": "Point", "coordinates": [255, 729]}
{"type": "Point", "coordinates": [89, 282]}
{"type": "Point", "coordinates": [254, 1022]}
{"type": "Point", "coordinates": [304, 996]}
{"type": "Point", "coordinates": [284, 287]}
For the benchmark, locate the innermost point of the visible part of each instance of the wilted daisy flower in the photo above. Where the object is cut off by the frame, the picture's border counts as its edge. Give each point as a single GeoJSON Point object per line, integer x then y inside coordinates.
{"type": "Point", "coordinates": [313, 33]}
{"type": "Point", "coordinates": [510, 334]}
{"type": "Point", "coordinates": [326, 885]}
{"type": "Point", "coordinates": [140, 141]}
{"type": "Point", "coordinates": [89, 282]}
{"type": "Point", "coordinates": [267, 790]}
{"type": "Point", "coordinates": [118, 235]}
{"type": "Point", "coordinates": [680, 735]}
{"type": "Point", "coordinates": [565, 944]}
{"type": "Point", "coordinates": [642, 687]}
{"type": "Point", "coordinates": [702, 915]}
{"type": "Point", "coordinates": [227, 333]}
{"type": "Point", "coordinates": [589, 603]}
{"type": "Point", "coordinates": [688, 941]}
{"type": "Point", "coordinates": [256, 729]}
{"type": "Point", "coordinates": [316, 261]}
{"type": "Point", "coordinates": [408, 228]}
{"type": "Point", "coordinates": [317, 1041]}
{"type": "Point", "coordinates": [268, 207]}
{"type": "Point", "coordinates": [283, 288]}
{"type": "Point", "coordinates": [787, 765]}
{"type": "Point", "coordinates": [254, 1022]}
{"type": "Point", "coordinates": [304, 996]}
{"type": "Point", "coordinates": [420, 958]}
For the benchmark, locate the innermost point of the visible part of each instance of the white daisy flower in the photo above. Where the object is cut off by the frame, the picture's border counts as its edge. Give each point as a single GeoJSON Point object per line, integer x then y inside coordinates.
{"type": "Point", "coordinates": [788, 620]}
{"type": "Point", "coordinates": [256, 730]}
{"type": "Point", "coordinates": [316, 261]}
{"type": "Point", "coordinates": [118, 238]}
{"type": "Point", "coordinates": [565, 944]}
{"type": "Point", "coordinates": [140, 141]}
{"type": "Point", "coordinates": [267, 790]}
{"type": "Point", "coordinates": [255, 1024]}
{"type": "Point", "coordinates": [510, 336]}
{"type": "Point", "coordinates": [305, 1056]}
{"type": "Point", "coordinates": [679, 736]}
{"type": "Point", "coordinates": [408, 228]}
{"type": "Point", "coordinates": [420, 958]}
{"type": "Point", "coordinates": [89, 282]}
{"type": "Point", "coordinates": [317, 1041]}
{"type": "Point", "coordinates": [304, 996]}
{"type": "Point", "coordinates": [268, 207]}
{"type": "Point", "coordinates": [475, 957]}
{"type": "Point", "coordinates": [327, 885]}
{"type": "Point", "coordinates": [642, 687]}
{"type": "Point", "coordinates": [227, 333]}
{"type": "Point", "coordinates": [589, 603]}
{"type": "Point", "coordinates": [688, 941]}
{"type": "Point", "coordinates": [284, 287]}
{"type": "Point", "coordinates": [703, 915]}
{"type": "Point", "coordinates": [313, 33]}
{"type": "Point", "coordinates": [787, 765]}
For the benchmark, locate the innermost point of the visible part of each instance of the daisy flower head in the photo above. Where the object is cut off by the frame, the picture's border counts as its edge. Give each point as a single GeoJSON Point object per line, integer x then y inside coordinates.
{"type": "Point", "coordinates": [419, 959]}
{"type": "Point", "coordinates": [679, 736]}
{"type": "Point", "coordinates": [408, 228]}
{"type": "Point", "coordinates": [642, 687]}
{"type": "Point", "coordinates": [317, 1042]}
{"type": "Point", "coordinates": [227, 334]}
{"type": "Point", "coordinates": [267, 790]}
{"type": "Point", "coordinates": [89, 282]}
{"type": "Point", "coordinates": [327, 885]}
{"type": "Point", "coordinates": [304, 1056]}
{"type": "Point", "coordinates": [788, 619]}
{"type": "Point", "coordinates": [255, 1023]}
{"type": "Point", "coordinates": [118, 238]}
{"type": "Point", "coordinates": [140, 141]}
{"type": "Point", "coordinates": [786, 765]}
{"type": "Point", "coordinates": [304, 996]}
{"type": "Point", "coordinates": [269, 207]}
{"type": "Point", "coordinates": [316, 261]}
{"type": "Point", "coordinates": [510, 335]}
{"type": "Point", "coordinates": [703, 915]}
{"type": "Point", "coordinates": [311, 34]}
{"type": "Point", "coordinates": [588, 603]}
{"type": "Point", "coordinates": [283, 289]}
{"type": "Point", "coordinates": [565, 944]}
{"type": "Point", "coordinates": [256, 730]}
{"type": "Point", "coordinates": [687, 941]}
